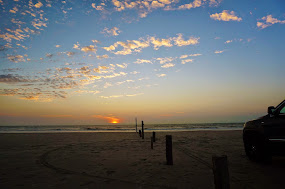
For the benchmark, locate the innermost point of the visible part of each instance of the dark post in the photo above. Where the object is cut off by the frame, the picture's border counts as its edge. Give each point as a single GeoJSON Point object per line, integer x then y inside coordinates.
{"type": "Point", "coordinates": [169, 159]}
{"type": "Point", "coordinates": [151, 142]}
{"type": "Point", "coordinates": [221, 172]}
{"type": "Point", "coordinates": [153, 136]}
{"type": "Point", "coordinates": [142, 131]}
{"type": "Point", "coordinates": [136, 125]}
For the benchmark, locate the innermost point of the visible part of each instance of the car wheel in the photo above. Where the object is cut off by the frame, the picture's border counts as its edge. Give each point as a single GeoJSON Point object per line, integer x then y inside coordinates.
{"type": "Point", "coordinates": [255, 149]}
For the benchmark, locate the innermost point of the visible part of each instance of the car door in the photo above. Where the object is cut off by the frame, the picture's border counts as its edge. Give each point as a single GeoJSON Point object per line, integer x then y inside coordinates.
{"type": "Point", "coordinates": [276, 127]}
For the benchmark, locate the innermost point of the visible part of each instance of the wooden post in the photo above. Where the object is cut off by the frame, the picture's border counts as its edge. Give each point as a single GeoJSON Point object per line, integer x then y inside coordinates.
{"type": "Point", "coordinates": [153, 136]}
{"type": "Point", "coordinates": [151, 142]}
{"type": "Point", "coordinates": [140, 133]}
{"type": "Point", "coordinates": [142, 130]}
{"type": "Point", "coordinates": [221, 172]}
{"type": "Point", "coordinates": [169, 159]}
{"type": "Point", "coordinates": [136, 125]}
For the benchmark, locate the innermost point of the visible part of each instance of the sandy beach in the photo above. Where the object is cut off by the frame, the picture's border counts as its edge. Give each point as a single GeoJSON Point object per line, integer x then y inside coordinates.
{"type": "Point", "coordinates": [124, 160]}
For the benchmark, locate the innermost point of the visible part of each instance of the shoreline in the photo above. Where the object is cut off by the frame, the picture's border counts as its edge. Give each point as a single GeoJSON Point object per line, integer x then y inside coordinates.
{"type": "Point", "coordinates": [118, 131]}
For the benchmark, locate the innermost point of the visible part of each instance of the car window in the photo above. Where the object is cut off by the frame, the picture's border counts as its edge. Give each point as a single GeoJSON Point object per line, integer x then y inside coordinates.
{"type": "Point", "coordinates": [282, 111]}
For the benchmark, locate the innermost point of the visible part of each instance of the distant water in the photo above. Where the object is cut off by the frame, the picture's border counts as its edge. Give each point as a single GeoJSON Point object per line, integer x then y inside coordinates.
{"type": "Point", "coordinates": [120, 128]}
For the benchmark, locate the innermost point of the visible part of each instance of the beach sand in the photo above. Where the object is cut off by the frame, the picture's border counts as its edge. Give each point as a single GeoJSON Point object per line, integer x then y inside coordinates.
{"type": "Point", "coordinates": [124, 160]}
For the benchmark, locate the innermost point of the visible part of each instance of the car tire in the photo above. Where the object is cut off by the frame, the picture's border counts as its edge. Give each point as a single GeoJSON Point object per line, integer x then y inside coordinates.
{"type": "Point", "coordinates": [256, 149]}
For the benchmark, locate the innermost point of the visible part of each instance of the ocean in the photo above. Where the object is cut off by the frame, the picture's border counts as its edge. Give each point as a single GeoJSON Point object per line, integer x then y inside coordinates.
{"type": "Point", "coordinates": [120, 128]}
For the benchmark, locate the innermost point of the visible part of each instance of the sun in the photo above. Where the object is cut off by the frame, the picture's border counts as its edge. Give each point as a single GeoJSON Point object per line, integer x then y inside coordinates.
{"type": "Point", "coordinates": [114, 122]}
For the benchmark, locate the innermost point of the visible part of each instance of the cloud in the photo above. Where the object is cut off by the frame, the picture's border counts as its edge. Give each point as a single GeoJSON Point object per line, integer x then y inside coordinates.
{"type": "Point", "coordinates": [179, 41]}
{"type": "Point", "coordinates": [142, 61]}
{"type": "Point", "coordinates": [268, 21]}
{"type": "Point", "coordinates": [160, 75]}
{"type": "Point", "coordinates": [225, 15]}
{"type": "Point", "coordinates": [110, 119]}
{"type": "Point", "coordinates": [107, 84]}
{"type": "Point", "coordinates": [89, 48]}
{"type": "Point", "coordinates": [229, 41]}
{"type": "Point", "coordinates": [113, 31]}
{"type": "Point", "coordinates": [165, 60]}
{"type": "Point", "coordinates": [124, 65]}
{"type": "Point", "coordinates": [98, 7]}
{"type": "Point", "coordinates": [49, 55]}
{"type": "Point", "coordinates": [76, 46]}
{"type": "Point", "coordinates": [194, 4]}
{"type": "Point", "coordinates": [57, 46]}
{"type": "Point", "coordinates": [10, 78]}
{"type": "Point", "coordinates": [70, 53]}
{"type": "Point", "coordinates": [184, 56]}
{"type": "Point", "coordinates": [16, 58]}
{"type": "Point", "coordinates": [53, 116]}
{"type": "Point", "coordinates": [122, 82]}
{"type": "Point", "coordinates": [158, 43]}
{"type": "Point", "coordinates": [186, 60]}
{"type": "Point", "coordinates": [34, 94]}
{"type": "Point", "coordinates": [128, 47]}
{"type": "Point", "coordinates": [168, 65]}
{"type": "Point", "coordinates": [103, 56]}
{"type": "Point", "coordinates": [137, 45]}
{"type": "Point", "coordinates": [88, 91]}
{"type": "Point", "coordinates": [120, 96]}
{"type": "Point", "coordinates": [14, 10]}
{"type": "Point", "coordinates": [38, 5]}
{"type": "Point", "coordinates": [218, 52]}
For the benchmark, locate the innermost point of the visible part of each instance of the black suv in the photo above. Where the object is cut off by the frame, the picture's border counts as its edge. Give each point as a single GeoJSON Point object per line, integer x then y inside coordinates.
{"type": "Point", "coordinates": [265, 136]}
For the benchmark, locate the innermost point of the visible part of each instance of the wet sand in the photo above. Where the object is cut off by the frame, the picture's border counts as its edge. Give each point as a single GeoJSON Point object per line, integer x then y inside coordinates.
{"type": "Point", "coordinates": [124, 160]}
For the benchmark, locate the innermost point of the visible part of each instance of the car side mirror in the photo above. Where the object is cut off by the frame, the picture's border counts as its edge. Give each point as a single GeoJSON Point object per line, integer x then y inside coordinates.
{"type": "Point", "coordinates": [270, 110]}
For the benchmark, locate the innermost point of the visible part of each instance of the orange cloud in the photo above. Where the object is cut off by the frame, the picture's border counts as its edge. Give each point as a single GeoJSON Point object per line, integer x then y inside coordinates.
{"type": "Point", "coordinates": [55, 115]}
{"type": "Point", "coordinates": [110, 119]}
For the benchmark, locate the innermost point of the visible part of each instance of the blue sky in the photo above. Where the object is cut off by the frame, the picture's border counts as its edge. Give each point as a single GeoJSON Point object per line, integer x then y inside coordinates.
{"type": "Point", "coordinates": [165, 61]}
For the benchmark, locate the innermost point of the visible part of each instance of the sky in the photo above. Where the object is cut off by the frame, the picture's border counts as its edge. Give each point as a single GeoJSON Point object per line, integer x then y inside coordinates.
{"type": "Point", "coordinates": [163, 61]}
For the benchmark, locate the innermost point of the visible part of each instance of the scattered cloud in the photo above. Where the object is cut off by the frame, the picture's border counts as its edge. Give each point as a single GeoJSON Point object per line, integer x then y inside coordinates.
{"type": "Point", "coordinates": [89, 48]}
{"type": "Point", "coordinates": [142, 61]}
{"type": "Point", "coordinates": [165, 60]}
{"type": "Point", "coordinates": [158, 43]}
{"type": "Point", "coordinates": [219, 52]}
{"type": "Point", "coordinates": [168, 65]}
{"type": "Point", "coordinates": [38, 5]}
{"type": "Point", "coordinates": [194, 4]}
{"type": "Point", "coordinates": [268, 21]}
{"type": "Point", "coordinates": [228, 41]}
{"type": "Point", "coordinates": [107, 84]}
{"type": "Point", "coordinates": [102, 56]}
{"type": "Point", "coordinates": [225, 15]}
{"type": "Point", "coordinates": [137, 45]}
{"type": "Point", "coordinates": [186, 55]}
{"type": "Point", "coordinates": [160, 75]}
{"type": "Point", "coordinates": [99, 7]}
{"type": "Point", "coordinates": [113, 31]}
{"type": "Point", "coordinates": [16, 58]}
{"type": "Point", "coordinates": [54, 116]}
{"type": "Point", "coordinates": [186, 61]}
{"type": "Point", "coordinates": [124, 65]}
{"type": "Point", "coordinates": [49, 55]}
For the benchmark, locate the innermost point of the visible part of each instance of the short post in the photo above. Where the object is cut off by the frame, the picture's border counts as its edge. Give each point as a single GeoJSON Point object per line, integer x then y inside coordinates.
{"type": "Point", "coordinates": [221, 172]}
{"type": "Point", "coordinates": [151, 142]}
{"type": "Point", "coordinates": [140, 133]}
{"type": "Point", "coordinates": [142, 130]}
{"type": "Point", "coordinates": [153, 136]}
{"type": "Point", "coordinates": [169, 159]}
{"type": "Point", "coordinates": [136, 126]}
